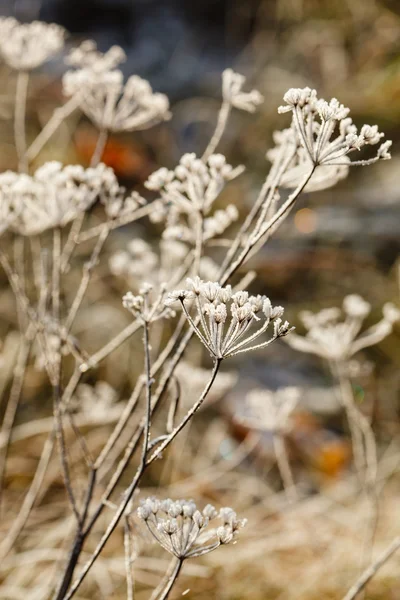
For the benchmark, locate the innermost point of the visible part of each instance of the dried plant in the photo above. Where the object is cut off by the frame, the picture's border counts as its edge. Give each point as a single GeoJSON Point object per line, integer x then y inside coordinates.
{"type": "Point", "coordinates": [49, 214]}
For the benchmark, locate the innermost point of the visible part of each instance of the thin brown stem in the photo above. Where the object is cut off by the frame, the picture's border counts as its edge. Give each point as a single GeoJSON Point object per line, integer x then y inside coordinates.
{"type": "Point", "coordinates": [56, 372]}
{"type": "Point", "coordinates": [127, 496]}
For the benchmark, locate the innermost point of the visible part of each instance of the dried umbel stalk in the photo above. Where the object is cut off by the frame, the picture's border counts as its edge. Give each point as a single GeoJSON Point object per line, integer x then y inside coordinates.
{"type": "Point", "coordinates": [313, 153]}
{"type": "Point", "coordinates": [335, 339]}
{"type": "Point", "coordinates": [183, 531]}
{"type": "Point", "coordinates": [112, 105]}
{"type": "Point", "coordinates": [323, 136]}
{"type": "Point", "coordinates": [26, 46]}
{"type": "Point", "coordinates": [226, 317]}
{"type": "Point", "coordinates": [147, 306]}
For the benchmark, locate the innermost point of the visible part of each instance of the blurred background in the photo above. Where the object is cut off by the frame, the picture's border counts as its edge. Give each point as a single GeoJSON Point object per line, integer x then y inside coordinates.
{"type": "Point", "coordinates": [338, 241]}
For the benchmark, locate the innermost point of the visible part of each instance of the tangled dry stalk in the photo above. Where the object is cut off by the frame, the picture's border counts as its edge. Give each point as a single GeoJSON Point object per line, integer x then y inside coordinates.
{"type": "Point", "coordinates": [193, 284]}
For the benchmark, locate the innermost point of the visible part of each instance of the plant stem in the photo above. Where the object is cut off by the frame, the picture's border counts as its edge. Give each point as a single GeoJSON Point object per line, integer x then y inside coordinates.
{"type": "Point", "coordinates": [99, 149]}
{"type": "Point", "coordinates": [51, 126]}
{"type": "Point", "coordinates": [283, 463]}
{"type": "Point", "coordinates": [222, 120]}
{"type": "Point", "coordinates": [21, 93]}
{"type": "Point", "coordinates": [174, 576]}
{"type": "Point", "coordinates": [13, 401]}
{"type": "Point", "coordinates": [371, 571]}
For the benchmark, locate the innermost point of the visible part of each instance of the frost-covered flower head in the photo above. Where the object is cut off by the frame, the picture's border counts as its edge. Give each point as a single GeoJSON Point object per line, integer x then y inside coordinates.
{"type": "Point", "coordinates": [98, 402]}
{"type": "Point", "coordinates": [105, 99]}
{"type": "Point", "coordinates": [86, 56]}
{"type": "Point", "coordinates": [54, 195]}
{"type": "Point", "coordinates": [226, 318]}
{"type": "Point", "coordinates": [334, 334]}
{"type": "Point", "coordinates": [8, 212]}
{"type": "Point", "coordinates": [25, 46]}
{"type": "Point", "coordinates": [232, 92]}
{"type": "Point", "coordinates": [193, 185]}
{"type": "Point", "coordinates": [326, 137]}
{"type": "Point", "coordinates": [147, 305]}
{"type": "Point", "coordinates": [269, 410]}
{"type": "Point", "coordinates": [183, 531]}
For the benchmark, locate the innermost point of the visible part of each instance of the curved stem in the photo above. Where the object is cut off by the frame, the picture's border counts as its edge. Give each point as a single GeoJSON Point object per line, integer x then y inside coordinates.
{"type": "Point", "coordinates": [188, 415]}
{"type": "Point", "coordinates": [171, 581]}
{"type": "Point", "coordinates": [223, 116]}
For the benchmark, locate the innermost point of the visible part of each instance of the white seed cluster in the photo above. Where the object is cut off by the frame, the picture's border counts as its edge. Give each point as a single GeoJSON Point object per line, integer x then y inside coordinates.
{"type": "Point", "coordinates": [269, 410]}
{"type": "Point", "coordinates": [323, 135]}
{"type": "Point", "coordinates": [104, 97]}
{"type": "Point", "coordinates": [26, 46]}
{"type": "Point", "coordinates": [147, 306]}
{"type": "Point", "coordinates": [193, 184]}
{"type": "Point", "coordinates": [54, 195]}
{"type": "Point", "coordinates": [334, 334]}
{"type": "Point", "coordinates": [226, 318]}
{"type": "Point", "coordinates": [232, 92]}
{"type": "Point", "coordinates": [183, 531]}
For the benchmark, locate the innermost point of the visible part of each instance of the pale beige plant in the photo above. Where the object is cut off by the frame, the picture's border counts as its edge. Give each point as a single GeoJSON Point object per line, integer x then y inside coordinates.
{"type": "Point", "coordinates": [49, 214]}
{"type": "Point", "coordinates": [26, 46]}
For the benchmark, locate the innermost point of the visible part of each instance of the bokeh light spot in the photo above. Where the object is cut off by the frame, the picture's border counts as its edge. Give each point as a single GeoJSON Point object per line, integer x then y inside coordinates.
{"type": "Point", "coordinates": [305, 220]}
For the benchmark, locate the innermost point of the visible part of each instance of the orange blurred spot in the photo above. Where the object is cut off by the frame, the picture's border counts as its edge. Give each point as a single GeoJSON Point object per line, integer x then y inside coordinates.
{"type": "Point", "coordinates": [305, 220]}
{"type": "Point", "coordinates": [127, 160]}
{"type": "Point", "coordinates": [331, 457]}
